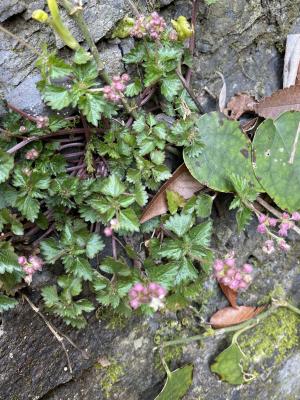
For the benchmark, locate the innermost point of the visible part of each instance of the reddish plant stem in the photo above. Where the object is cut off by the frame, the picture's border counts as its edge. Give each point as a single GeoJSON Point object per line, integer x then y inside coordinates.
{"type": "Point", "coordinates": [70, 155]}
{"type": "Point", "coordinates": [45, 234]}
{"type": "Point", "coordinates": [22, 113]}
{"type": "Point", "coordinates": [19, 146]}
{"type": "Point", "coordinates": [114, 247]}
{"type": "Point", "coordinates": [76, 168]}
{"type": "Point", "coordinates": [190, 92]}
{"type": "Point", "coordinates": [67, 146]}
{"type": "Point", "coordinates": [192, 39]}
{"type": "Point", "coordinates": [144, 98]}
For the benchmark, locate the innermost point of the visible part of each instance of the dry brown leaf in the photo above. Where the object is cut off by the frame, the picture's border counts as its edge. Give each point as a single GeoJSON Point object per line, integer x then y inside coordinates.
{"type": "Point", "coordinates": [283, 100]}
{"type": "Point", "coordinates": [229, 316]}
{"type": "Point", "coordinates": [239, 104]}
{"type": "Point", "coordinates": [230, 294]}
{"type": "Point", "coordinates": [181, 182]}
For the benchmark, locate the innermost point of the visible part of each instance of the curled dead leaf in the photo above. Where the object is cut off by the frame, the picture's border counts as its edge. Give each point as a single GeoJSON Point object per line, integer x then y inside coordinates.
{"type": "Point", "coordinates": [230, 294]}
{"type": "Point", "coordinates": [229, 316]}
{"type": "Point", "coordinates": [239, 104]}
{"type": "Point", "coordinates": [181, 182]}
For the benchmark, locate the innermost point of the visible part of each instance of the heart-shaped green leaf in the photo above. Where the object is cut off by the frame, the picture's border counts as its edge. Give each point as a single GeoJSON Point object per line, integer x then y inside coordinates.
{"type": "Point", "coordinates": [277, 155]}
{"type": "Point", "coordinates": [177, 384]}
{"type": "Point", "coordinates": [226, 151]}
{"type": "Point", "coordinates": [228, 365]}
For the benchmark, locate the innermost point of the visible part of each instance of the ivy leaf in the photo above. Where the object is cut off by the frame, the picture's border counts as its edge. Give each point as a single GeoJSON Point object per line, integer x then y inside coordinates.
{"type": "Point", "coordinates": [179, 224]}
{"type": "Point", "coordinates": [133, 89]}
{"type": "Point", "coordinates": [228, 365]}
{"type": "Point", "coordinates": [170, 86]}
{"type": "Point", "coordinates": [175, 200]}
{"type": "Point", "coordinates": [128, 220]}
{"type": "Point", "coordinates": [57, 97]}
{"type": "Point", "coordinates": [177, 384]}
{"type": "Point", "coordinates": [94, 245]}
{"type": "Point", "coordinates": [6, 303]}
{"type": "Point", "coordinates": [6, 165]}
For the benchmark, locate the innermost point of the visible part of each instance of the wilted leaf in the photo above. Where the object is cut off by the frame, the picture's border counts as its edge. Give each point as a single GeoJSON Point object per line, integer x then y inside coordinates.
{"type": "Point", "coordinates": [223, 94]}
{"type": "Point", "coordinates": [291, 59]}
{"type": "Point", "coordinates": [230, 294]}
{"type": "Point", "coordinates": [229, 316]}
{"type": "Point", "coordinates": [181, 182]}
{"type": "Point", "coordinates": [283, 100]}
{"type": "Point", "coordinates": [177, 384]}
{"type": "Point", "coordinates": [239, 104]}
{"type": "Point", "coordinates": [228, 365]}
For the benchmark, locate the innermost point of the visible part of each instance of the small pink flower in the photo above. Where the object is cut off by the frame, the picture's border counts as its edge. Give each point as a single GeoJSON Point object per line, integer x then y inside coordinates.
{"type": "Point", "coordinates": [261, 229]}
{"type": "Point", "coordinates": [230, 262]}
{"type": "Point", "coordinates": [234, 284]}
{"type": "Point", "coordinates": [108, 231]}
{"type": "Point", "coordinates": [262, 218]}
{"type": "Point", "coordinates": [138, 287]}
{"type": "Point", "coordinates": [272, 221]}
{"type": "Point", "coordinates": [247, 268]}
{"type": "Point", "coordinates": [243, 285]}
{"type": "Point", "coordinates": [125, 77]}
{"type": "Point", "coordinates": [36, 263]}
{"type": "Point", "coordinates": [285, 215]}
{"type": "Point", "coordinates": [230, 272]}
{"type": "Point", "coordinates": [134, 304]}
{"type": "Point", "coordinates": [283, 245]}
{"type": "Point", "coordinates": [238, 276]}
{"type": "Point", "coordinates": [22, 260]}
{"type": "Point", "coordinates": [247, 278]}
{"type": "Point", "coordinates": [32, 154]}
{"type": "Point", "coordinates": [268, 247]}
{"type": "Point", "coordinates": [296, 216]}
{"type": "Point", "coordinates": [218, 265]}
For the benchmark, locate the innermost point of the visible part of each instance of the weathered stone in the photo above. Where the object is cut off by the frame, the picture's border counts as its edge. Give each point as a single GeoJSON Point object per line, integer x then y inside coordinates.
{"type": "Point", "coordinates": [9, 8]}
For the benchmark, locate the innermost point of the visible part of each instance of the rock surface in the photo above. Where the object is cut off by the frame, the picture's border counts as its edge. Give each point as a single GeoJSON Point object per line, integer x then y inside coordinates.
{"type": "Point", "coordinates": [244, 40]}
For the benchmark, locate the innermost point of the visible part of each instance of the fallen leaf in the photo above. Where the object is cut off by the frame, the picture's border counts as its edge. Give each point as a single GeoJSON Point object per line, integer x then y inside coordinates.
{"type": "Point", "coordinates": [291, 59]}
{"type": "Point", "coordinates": [283, 100]}
{"type": "Point", "coordinates": [230, 294]}
{"type": "Point", "coordinates": [239, 104]}
{"type": "Point", "coordinates": [177, 384]}
{"type": "Point", "coordinates": [229, 316]}
{"type": "Point", "coordinates": [180, 182]}
{"type": "Point", "coordinates": [228, 365]}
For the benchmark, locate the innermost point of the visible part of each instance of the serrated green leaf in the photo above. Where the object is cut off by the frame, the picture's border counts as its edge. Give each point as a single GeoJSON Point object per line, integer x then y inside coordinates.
{"type": "Point", "coordinates": [113, 186]}
{"type": "Point", "coordinates": [243, 218]}
{"type": "Point", "coordinates": [6, 303]}
{"type": "Point", "coordinates": [170, 86]}
{"type": "Point", "coordinates": [51, 250]}
{"type": "Point", "coordinates": [133, 89]}
{"type": "Point", "coordinates": [177, 384]}
{"type": "Point", "coordinates": [201, 234]}
{"type": "Point", "coordinates": [94, 245]}
{"type": "Point", "coordinates": [50, 295]}
{"type": "Point", "coordinates": [186, 271]}
{"type": "Point", "coordinates": [204, 205]}
{"type": "Point", "coordinates": [228, 365]}
{"type": "Point", "coordinates": [163, 274]}
{"type": "Point", "coordinates": [28, 207]}
{"type": "Point", "coordinates": [6, 165]}
{"type": "Point", "coordinates": [179, 224]}
{"type": "Point", "coordinates": [157, 157]}
{"type": "Point", "coordinates": [141, 196]}
{"type": "Point", "coordinates": [174, 200]}
{"type": "Point", "coordinates": [82, 56]}
{"type": "Point", "coordinates": [128, 220]}
{"type": "Point", "coordinates": [57, 97]}
{"type": "Point", "coordinates": [92, 106]}
{"type": "Point", "coordinates": [170, 248]}
{"type": "Point", "coordinates": [112, 266]}
{"type": "Point", "coordinates": [79, 267]}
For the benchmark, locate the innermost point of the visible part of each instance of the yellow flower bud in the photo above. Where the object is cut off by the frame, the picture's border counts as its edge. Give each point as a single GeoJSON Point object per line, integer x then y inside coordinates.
{"type": "Point", "coordinates": [40, 15]}
{"type": "Point", "coordinates": [183, 28]}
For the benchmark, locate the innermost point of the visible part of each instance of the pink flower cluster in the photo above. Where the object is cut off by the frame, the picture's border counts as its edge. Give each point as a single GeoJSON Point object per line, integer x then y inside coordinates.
{"type": "Point", "coordinates": [152, 294]}
{"type": "Point", "coordinates": [154, 26]}
{"type": "Point", "coordinates": [285, 223]}
{"type": "Point", "coordinates": [32, 154]}
{"type": "Point", "coordinates": [114, 91]}
{"type": "Point", "coordinates": [109, 230]}
{"type": "Point", "coordinates": [226, 272]}
{"type": "Point", "coordinates": [30, 266]}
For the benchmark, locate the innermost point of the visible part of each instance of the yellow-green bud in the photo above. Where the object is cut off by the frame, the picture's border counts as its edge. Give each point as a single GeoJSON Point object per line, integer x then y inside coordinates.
{"type": "Point", "coordinates": [40, 15]}
{"type": "Point", "coordinates": [183, 28]}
